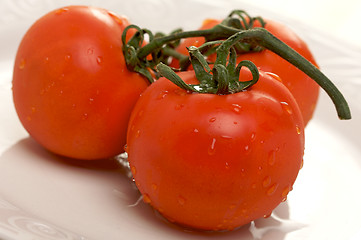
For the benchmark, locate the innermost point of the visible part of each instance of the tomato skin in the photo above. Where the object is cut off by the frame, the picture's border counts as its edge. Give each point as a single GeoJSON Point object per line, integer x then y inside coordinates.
{"type": "Point", "coordinates": [71, 88]}
{"type": "Point", "coordinates": [215, 162]}
{"type": "Point", "coordinates": [303, 88]}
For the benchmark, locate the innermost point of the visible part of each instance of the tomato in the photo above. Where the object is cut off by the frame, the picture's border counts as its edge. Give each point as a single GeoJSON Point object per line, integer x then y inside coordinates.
{"type": "Point", "coordinates": [215, 162]}
{"type": "Point", "coordinates": [71, 88]}
{"type": "Point", "coordinates": [304, 89]}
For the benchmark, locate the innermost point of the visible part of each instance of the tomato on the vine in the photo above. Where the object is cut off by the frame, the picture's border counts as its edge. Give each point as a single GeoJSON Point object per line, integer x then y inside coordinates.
{"type": "Point", "coordinates": [304, 89]}
{"type": "Point", "coordinates": [215, 161]}
{"type": "Point", "coordinates": [72, 90]}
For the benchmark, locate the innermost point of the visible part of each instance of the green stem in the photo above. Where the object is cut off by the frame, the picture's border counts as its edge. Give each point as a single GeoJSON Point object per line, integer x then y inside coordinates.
{"type": "Point", "coordinates": [217, 32]}
{"type": "Point", "coordinates": [168, 51]}
{"type": "Point", "coordinates": [262, 37]}
{"type": "Point", "coordinates": [221, 79]}
{"type": "Point", "coordinates": [220, 31]}
{"type": "Point", "coordinates": [168, 73]}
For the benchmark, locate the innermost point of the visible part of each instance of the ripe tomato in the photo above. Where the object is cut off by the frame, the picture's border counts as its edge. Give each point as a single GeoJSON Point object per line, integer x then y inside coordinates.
{"type": "Point", "coordinates": [303, 88]}
{"type": "Point", "coordinates": [71, 88]}
{"type": "Point", "coordinates": [215, 162]}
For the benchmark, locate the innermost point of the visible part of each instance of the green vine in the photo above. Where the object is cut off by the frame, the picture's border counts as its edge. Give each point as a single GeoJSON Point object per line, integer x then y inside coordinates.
{"type": "Point", "coordinates": [223, 77]}
{"type": "Point", "coordinates": [161, 46]}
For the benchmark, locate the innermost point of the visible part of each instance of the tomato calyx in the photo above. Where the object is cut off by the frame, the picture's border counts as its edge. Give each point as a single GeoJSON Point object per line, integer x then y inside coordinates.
{"type": "Point", "coordinates": [223, 78]}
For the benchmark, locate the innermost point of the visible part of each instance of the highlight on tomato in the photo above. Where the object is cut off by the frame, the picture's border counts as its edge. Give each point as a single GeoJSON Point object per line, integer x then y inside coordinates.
{"type": "Point", "coordinates": [304, 89]}
{"type": "Point", "coordinates": [72, 89]}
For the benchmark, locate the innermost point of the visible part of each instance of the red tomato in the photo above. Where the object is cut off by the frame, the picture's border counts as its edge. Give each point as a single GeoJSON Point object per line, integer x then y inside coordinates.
{"type": "Point", "coordinates": [71, 88]}
{"type": "Point", "coordinates": [215, 162]}
{"type": "Point", "coordinates": [303, 88]}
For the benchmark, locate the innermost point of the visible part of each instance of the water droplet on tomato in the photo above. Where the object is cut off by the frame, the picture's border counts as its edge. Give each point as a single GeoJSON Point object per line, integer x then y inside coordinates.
{"type": "Point", "coordinates": [272, 157]}
{"type": "Point", "coordinates": [181, 200]}
{"type": "Point", "coordinates": [267, 215]}
{"type": "Point", "coordinates": [236, 108]}
{"type": "Point", "coordinates": [22, 64]}
{"type": "Point", "coordinates": [272, 189]}
{"type": "Point", "coordinates": [67, 57]}
{"type": "Point", "coordinates": [227, 165]}
{"type": "Point", "coordinates": [99, 60]}
{"type": "Point", "coordinates": [195, 130]}
{"type": "Point", "coordinates": [171, 220]}
{"type": "Point", "coordinates": [286, 107]}
{"type": "Point", "coordinates": [91, 100]}
{"type": "Point", "coordinates": [285, 192]}
{"type": "Point", "coordinates": [137, 134]}
{"type": "Point", "coordinates": [226, 137]}
{"type": "Point", "coordinates": [116, 18]}
{"type": "Point", "coordinates": [266, 181]}
{"type": "Point", "coordinates": [90, 51]}
{"type": "Point", "coordinates": [154, 186]}
{"type": "Point", "coordinates": [247, 149]}
{"type": "Point", "coordinates": [140, 113]}
{"type": "Point", "coordinates": [162, 95]}
{"type": "Point", "coordinates": [213, 119]}
{"type": "Point", "coordinates": [301, 165]}
{"type": "Point", "coordinates": [180, 92]}
{"type": "Point", "coordinates": [61, 10]}
{"type": "Point", "coordinates": [85, 116]}
{"type": "Point", "coordinates": [298, 130]}
{"type": "Point", "coordinates": [274, 76]}
{"type": "Point", "coordinates": [253, 137]}
{"type": "Point", "coordinates": [212, 147]}
{"type": "Point", "coordinates": [146, 198]}
{"type": "Point", "coordinates": [179, 106]}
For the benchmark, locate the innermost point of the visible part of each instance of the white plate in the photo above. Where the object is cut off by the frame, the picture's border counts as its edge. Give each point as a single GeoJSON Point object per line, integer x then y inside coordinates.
{"type": "Point", "coordinates": [43, 196]}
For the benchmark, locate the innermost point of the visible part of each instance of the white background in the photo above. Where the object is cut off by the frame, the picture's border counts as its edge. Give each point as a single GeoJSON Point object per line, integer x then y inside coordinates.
{"type": "Point", "coordinates": [340, 18]}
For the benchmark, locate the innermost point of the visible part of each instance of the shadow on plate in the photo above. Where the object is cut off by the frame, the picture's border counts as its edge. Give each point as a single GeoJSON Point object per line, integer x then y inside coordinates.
{"type": "Point", "coordinates": [275, 227]}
